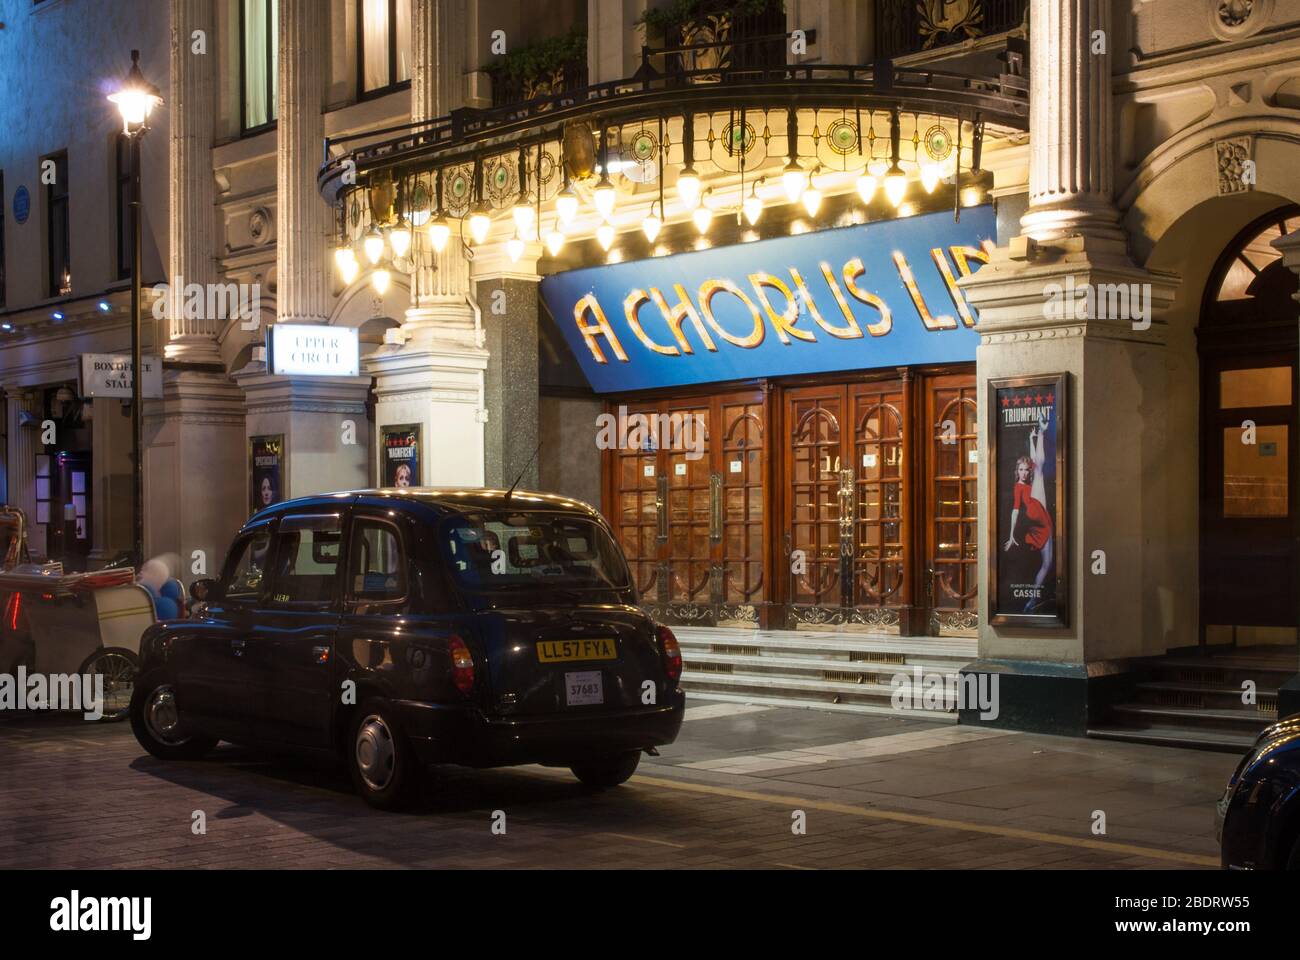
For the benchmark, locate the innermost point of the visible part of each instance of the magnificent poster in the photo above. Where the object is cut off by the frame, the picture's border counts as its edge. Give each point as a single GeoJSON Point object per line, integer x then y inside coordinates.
{"type": "Point", "coordinates": [1027, 494]}
{"type": "Point", "coordinates": [266, 463]}
{"type": "Point", "coordinates": [400, 456]}
{"type": "Point", "coordinates": [880, 294]}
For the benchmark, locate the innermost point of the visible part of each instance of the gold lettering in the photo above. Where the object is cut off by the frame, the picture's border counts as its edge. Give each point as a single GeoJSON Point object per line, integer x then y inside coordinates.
{"type": "Point", "coordinates": [630, 307]}
{"type": "Point", "coordinates": [601, 327]}
{"type": "Point", "coordinates": [949, 281]}
{"type": "Point", "coordinates": [784, 322]}
{"type": "Point", "coordinates": [941, 322]}
{"type": "Point", "coordinates": [850, 330]}
{"type": "Point", "coordinates": [684, 310]}
{"type": "Point", "coordinates": [854, 269]}
{"type": "Point", "coordinates": [707, 290]}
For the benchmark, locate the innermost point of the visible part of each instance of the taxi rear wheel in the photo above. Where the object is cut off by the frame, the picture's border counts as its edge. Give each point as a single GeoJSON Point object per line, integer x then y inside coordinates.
{"type": "Point", "coordinates": [607, 772]}
{"type": "Point", "coordinates": [380, 759]}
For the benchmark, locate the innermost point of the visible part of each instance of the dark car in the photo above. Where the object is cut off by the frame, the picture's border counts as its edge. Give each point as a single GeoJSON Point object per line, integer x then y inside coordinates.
{"type": "Point", "coordinates": [1258, 817]}
{"type": "Point", "coordinates": [401, 628]}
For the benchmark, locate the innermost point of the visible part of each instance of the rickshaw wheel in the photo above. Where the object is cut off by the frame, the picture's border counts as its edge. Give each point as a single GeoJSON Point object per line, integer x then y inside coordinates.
{"type": "Point", "coordinates": [119, 668]}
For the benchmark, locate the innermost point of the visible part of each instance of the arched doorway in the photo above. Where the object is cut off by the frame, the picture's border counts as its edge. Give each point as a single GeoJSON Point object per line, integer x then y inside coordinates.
{"type": "Point", "coordinates": [1249, 502]}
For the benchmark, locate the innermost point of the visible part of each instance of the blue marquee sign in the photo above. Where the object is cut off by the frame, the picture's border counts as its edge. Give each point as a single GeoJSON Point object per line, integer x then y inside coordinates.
{"type": "Point", "coordinates": [879, 295]}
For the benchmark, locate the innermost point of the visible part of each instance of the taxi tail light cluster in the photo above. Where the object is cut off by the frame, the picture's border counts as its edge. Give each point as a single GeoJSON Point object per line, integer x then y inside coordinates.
{"type": "Point", "coordinates": [462, 665]}
{"type": "Point", "coordinates": [672, 653]}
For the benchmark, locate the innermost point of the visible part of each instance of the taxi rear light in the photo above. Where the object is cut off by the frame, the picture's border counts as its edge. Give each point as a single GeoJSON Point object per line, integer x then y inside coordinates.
{"type": "Point", "coordinates": [462, 665]}
{"type": "Point", "coordinates": [672, 653]}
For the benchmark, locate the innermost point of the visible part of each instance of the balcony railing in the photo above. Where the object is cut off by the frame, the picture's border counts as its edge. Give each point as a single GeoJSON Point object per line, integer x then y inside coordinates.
{"type": "Point", "coordinates": [912, 26]}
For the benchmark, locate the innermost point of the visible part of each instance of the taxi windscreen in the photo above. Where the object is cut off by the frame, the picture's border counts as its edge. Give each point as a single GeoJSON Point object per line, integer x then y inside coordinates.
{"type": "Point", "coordinates": [490, 551]}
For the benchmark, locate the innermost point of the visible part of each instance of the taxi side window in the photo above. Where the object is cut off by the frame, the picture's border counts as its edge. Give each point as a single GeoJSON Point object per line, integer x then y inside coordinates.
{"type": "Point", "coordinates": [307, 559]}
{"type": "Point", "coordinates": [377, 563]}
{"type": "Point", "coordinates": [248, 563]}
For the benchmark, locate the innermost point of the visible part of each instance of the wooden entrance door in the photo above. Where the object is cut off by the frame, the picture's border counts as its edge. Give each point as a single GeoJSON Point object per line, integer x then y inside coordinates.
{"type": "Point", "coordinates": [847, 504]}
{"type": "Point", "coordinates": [689, 506]}
{"type": "Point", "coordinates": [950, 513]}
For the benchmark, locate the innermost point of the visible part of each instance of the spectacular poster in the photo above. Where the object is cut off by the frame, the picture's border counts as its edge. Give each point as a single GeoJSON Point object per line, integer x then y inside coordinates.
{"type": "Point", "coordinates": [266, 467]}
{"type": "Point", "coordinates": [401, 456]}
{"type": "Point", "coordinates": [1027, 559]}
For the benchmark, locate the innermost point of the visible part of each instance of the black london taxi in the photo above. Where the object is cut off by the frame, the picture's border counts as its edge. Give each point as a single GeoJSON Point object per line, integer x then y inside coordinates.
{"type": "Point", "coordinates": [1258, 817]}
{"type": "Point", "coordinates": [406, 627]}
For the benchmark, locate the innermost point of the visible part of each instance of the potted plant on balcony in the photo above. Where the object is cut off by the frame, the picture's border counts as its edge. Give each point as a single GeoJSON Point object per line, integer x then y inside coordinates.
{"type": "Point", "coordinates": [731, 22]}
{"type": "Point", "coordinates": [541, 68]}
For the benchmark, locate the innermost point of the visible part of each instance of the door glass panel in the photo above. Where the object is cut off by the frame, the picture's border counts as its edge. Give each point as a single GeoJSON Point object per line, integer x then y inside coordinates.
{"type": "Point", "coordinates": [307, 559]}
{"type": "Point", "coordinates": [377, 565]}
{"type": "Point", "coordinates": [1255, 474]}
{"type": "Point", "coordinates": [245, 581]}
{"type": "Point", "coordinates": [1257, 387]}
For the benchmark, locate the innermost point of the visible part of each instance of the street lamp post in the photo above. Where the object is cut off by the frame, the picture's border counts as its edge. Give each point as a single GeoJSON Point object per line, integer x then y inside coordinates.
{"type": "Point", "coordinates": [135, 100]}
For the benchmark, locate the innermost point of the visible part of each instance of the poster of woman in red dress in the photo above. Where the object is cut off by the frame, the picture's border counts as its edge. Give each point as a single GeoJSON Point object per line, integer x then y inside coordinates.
{"type": "Point", "coordinates": [1026, 566]}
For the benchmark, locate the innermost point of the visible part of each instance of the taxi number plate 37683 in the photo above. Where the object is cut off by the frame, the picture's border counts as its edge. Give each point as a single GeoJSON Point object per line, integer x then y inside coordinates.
{"type": "Point", "coordinates": [583, 688]}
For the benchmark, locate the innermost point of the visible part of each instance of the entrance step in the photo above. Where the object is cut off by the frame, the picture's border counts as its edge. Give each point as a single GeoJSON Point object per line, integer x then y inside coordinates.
{"type": "Point", "coordinates": [838, 671]}
{"type": "Point", "coordinates": [1177, 736]}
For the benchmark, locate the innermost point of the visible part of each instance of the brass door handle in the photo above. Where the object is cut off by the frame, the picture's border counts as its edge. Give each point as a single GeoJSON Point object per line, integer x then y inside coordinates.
{"type": "Point", "coordinates": [715, 507]}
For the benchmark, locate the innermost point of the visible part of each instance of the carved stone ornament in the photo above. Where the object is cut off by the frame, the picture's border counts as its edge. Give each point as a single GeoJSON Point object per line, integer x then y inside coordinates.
{"type": "Point", "coordinates": [261, 228]}
{"type": "Point", "coordinates": [1235, 165]}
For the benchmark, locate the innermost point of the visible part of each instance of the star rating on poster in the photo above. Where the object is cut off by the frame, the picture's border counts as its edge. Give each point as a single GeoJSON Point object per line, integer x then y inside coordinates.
{"type": "Point", "coordinates": [1028, 399]}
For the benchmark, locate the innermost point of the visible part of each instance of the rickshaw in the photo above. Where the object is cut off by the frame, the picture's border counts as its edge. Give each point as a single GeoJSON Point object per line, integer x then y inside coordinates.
{"type": "Point", "coordinates": [79, 623]}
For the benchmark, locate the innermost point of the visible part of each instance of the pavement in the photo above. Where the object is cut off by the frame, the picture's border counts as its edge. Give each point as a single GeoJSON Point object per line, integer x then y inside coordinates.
{"type": "Point", "coordinates": [745, 786]}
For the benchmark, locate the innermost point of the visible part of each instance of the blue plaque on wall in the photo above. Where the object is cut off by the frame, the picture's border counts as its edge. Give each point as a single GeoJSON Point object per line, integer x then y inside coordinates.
{"type": "Point", "coordinates": [22, 204]}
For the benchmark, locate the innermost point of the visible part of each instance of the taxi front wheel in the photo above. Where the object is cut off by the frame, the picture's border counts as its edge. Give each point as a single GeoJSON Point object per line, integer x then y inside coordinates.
{"type": "Point", "coordinates": [607, 771]}
{"type": "Point", "coordinates": [158, 724]}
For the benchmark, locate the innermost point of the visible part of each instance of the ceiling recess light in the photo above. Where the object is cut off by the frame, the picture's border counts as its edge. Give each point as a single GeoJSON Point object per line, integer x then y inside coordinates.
{"type": "Point", "coordinates": [439, 234]}
{"type": "Point", "coordinates": [555, 241]}
{"type": "Point", "coordinates": [651, 226]}
{"type": "Point", "coordinates": [688, 188]}
{"type": "Point", "coordinates": [380, 280]}
{"type": "Point", "coordinates": [57, 315]}
{"type": "Point", "coordinates": [525, 219]}
{"type": "Point", "coordinates": [605, 235]}
{"type": "Point", "coordinates": [480, 223]}
{"type": "Point", "coordinates": [399, 238]}
{"type": "Point", "coordinates": [867, 184]}
{"type": "Point", "coordinates": [104, 307]}
{"type": "Point", "coordinates": [895, 184]}
{"type": "Point", "coordinates": [374, 246]}
{"type": "Point", "coordinates": [793, 178]}
{"type": "Point", "coordinates": [930, 176]}
{"type": "Point", "coordinates": [604, 197]}
{"type": "Point", "coordinates": [566, 205]}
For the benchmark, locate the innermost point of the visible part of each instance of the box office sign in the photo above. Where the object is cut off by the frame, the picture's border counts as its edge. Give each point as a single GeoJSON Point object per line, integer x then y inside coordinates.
{"type": "Point", "coordinates": [1028, 555]}
{"type": "Point", "coordinates": [400, 455]}
{"type": "Point", "coordinates": [314, 350]}
{"type": "Point", "coordinates": [109, 375]}
{"type": "Point", "coordinates": [878, 295]}
{"type": "Point", "coordinates": [266, 470]}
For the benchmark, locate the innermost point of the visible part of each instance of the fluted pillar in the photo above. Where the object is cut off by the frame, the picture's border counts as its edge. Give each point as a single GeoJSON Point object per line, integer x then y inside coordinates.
{"type": "Point", "coordinates": [1071, 160]}
{"type": "Point", "coordinates": [193, 220]}
{"type": "Point", "coordinates": [302, 218]}
{"type": "Point", "coordinates": [20, 463]}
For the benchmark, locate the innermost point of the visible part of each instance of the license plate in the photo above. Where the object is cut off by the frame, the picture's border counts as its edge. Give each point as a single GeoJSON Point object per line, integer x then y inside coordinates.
{"type": "Point", "coordinates": [582, 689]}
{"type": "Point", "coordinates": [559, 651]}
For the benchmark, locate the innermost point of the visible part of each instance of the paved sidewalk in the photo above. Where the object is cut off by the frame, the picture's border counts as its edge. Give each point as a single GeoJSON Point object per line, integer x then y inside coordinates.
{"type": "Point", "coordinates": [874, 792]}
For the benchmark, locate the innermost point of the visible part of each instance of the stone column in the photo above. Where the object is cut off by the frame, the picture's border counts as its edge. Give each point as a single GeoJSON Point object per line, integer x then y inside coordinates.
{"type": "Point", "coordinates": [20, 461]}
{"type": "Point", "coordinates": [302, 218]}
{"type": "Point", "coordinates": [613, 39]}
{"type": "Point", "coordinates": [507, 293]}
{"type": "Point", "coordinates": [1059, 680]}
{"type": "Point", "coordinates": [192, 235]}
{"type": "Point", "coordinates": [430, 370]}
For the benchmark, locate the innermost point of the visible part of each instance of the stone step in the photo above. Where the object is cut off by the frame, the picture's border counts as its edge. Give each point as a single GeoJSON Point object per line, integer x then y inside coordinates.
{"type": "Point", "coordinates": [1177, 736]}
{"type": "Point", "coordinates": [695, 697]}
{"type": "Point", "coordinates": [848, 671]}
{"type": "Point", "coordinates": [1200, 696]}
{"type": "Point", "coordinates": [1238, 721]}
{"type": "Point", "coordinates": [810, 691]}
{"type": "Point", "coordinates": [1222, 672]}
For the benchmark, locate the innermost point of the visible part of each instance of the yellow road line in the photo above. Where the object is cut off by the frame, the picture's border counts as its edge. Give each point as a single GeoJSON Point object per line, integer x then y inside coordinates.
{"type": "Point", "coordinates": [629, 836]}
{"type": "Point", "coordinates": [830, 806]}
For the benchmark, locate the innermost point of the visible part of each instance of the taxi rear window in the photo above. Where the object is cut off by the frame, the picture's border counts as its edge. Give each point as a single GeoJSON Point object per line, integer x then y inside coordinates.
{"type": "Point", "coordinates": [490, 551]}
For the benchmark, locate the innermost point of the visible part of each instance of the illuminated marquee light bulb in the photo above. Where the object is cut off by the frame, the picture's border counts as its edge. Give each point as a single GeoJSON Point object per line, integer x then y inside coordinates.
{"type": "Point", "coordinates": [525, 219]}
{"type": "Point", "coordinates": [439, 234]}
{"type": "Point", "coordinates": [688, 188]}
{"type": "Point", "coordinates": [895, 184]}
{"type": "Point", "coordinates": [515, 248]}
{"type": "Point", "coordinates": [753, 208]}
{"type": "Point", "coordinates": [566, 205]}
{"type": "Point", "coordinates": [703, 217]}
{"type": "Point", "coordinates": [604, 196]}
{"type": "Point", "coordinates": [399, 238]}
{"type": "Point", "coordinates": [380, 280]}
{"type": "Point", "coordinates": [480, 224]}
{"type": "Point", "coordinates": [867, 184]}
{"type": "Point", "coordinates": [651, 226]}
{"type": "Point", "coordinates": [930, 176]}
{"type": "Point", "coordinates": [605, 236]}
{"type": "Point", "coordinates": [811, 198]}
{"type": "Point", "coordinates": [374, 246]}
{"type": "Point", "coordinates": [794, 179]}
{"type": "Point", "coordinates": [343, 256]}
{"type": "Point", "coordinates": [555, 241]}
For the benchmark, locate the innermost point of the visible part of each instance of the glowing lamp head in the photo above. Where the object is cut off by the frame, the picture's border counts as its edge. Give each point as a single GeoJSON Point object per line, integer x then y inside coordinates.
{"type": "Point", "coordinates": [399, 238]}
{"type": "Point", "coordinates": [793, 179]}
{"type": "Point", "coordinates": [374, 245]}
{"type": "Point", "coordinates": [867, 184]}
{"type": "Point", "coordinates": [380, 280]}
{"type": "Point", "coordinates": [555, 241]}
{"type": "Point", "coordinates": [515, 249]}
{"type": "Point", "coordinates": [525, 219]}
{"type": "Point", "coordinates": [811, 199]}
{"type": "Point", "coordinates": [688, 188]}
{"type": "Point", "coordinates": [566, 205]}
{"type": "Point", "coordinates": [895, 184]}
{"type": "Point", "coordinates": [136, 98]}
{"type": "Point", "coordinates": [604, 197]}
{"type": "Point", "coordinates": [439, 234]}
{"type": "Point", "coordinates": [480, 224]}
{"type": "Point", "coordinates": [930, 175]}
{"type": "Point", "coordinates": [753, 208]}
{"type": "Point", "coordinates": [651, 226]}
{"type": "Point", "coordinates": [605, 236]}
{"type": "Point", "coordinates": [345, 258]}
{"type": "Point", "coordinates": [703, 217]}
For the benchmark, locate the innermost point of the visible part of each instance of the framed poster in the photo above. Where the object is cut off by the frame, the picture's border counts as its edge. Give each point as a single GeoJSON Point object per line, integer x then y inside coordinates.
{"type": "Point", "coordinates": [266, 470]}
{"type": "Point", "coordinates": [1029, 549]}
{"type": "Point", "coordinates": [400, 455]}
